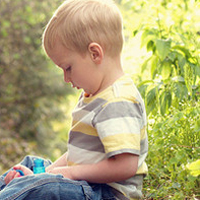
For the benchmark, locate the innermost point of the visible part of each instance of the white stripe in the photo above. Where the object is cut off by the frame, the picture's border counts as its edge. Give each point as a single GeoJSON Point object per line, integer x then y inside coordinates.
{"type": "Point", "coordinates": [80, 156]}
{"type": "Point", "coordinates": [117, 125]}
{"type": "Point", "coordinates": [142, 159]}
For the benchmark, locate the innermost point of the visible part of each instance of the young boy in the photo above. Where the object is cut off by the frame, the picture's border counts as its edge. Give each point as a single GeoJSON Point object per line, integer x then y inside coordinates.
{"type": "Point", "coordinates": [108, 141]}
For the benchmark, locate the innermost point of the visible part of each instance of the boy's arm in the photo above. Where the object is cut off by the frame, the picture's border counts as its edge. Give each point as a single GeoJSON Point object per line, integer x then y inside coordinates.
{"type": "Point", "coordinates": [62, 161]}
{"type": "Point", "coordinates": [117, 168]}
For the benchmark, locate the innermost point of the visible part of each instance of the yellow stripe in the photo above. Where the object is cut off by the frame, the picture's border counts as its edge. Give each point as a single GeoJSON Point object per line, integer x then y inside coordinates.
{"type": "Point", "coordinates": [84, 128]}
{"type": "Point", "coordinates": [121, 141]}
{"type": "Point", "coordinates": [143, 169]}
{"type": "Point", "coordinates": [133, 100]}
{"type": "Point", "coordinates": [143, 133]}
{"type": "Point", "coordinates": [70, 163]}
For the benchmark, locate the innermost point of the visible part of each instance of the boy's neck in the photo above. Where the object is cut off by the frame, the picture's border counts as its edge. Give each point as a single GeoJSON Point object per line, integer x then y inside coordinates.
{"type": "Point", "coordinates": [112, 70]}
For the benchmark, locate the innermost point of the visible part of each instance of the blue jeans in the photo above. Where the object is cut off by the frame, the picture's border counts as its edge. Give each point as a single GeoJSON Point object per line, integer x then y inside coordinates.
{"type": "Point", "coordinates": [51, 187]}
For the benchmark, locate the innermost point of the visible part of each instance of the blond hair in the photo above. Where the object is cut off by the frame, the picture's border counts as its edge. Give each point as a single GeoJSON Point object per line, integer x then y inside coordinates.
{"type": "Point", "coordinates": [77, 23]}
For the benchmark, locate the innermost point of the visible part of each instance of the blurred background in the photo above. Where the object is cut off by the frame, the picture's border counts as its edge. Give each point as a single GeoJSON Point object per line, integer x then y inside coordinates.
{"type": "Point", "coordinates": [161, 52]}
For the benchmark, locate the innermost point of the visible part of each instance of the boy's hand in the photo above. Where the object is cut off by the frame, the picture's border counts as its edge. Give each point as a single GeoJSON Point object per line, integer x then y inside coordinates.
{"type": "Point", "coordinates": [26, 170]}
{"type": "Point", "coordinates": [14, 174]}
{"type": "Point", "coordinates": [11, 175]}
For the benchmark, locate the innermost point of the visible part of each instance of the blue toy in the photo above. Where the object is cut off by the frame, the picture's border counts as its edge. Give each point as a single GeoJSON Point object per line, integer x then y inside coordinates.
{"type": "Point", "coordinates": [20, 171]}
{"type": "Point", "coordinates": [38, 166]}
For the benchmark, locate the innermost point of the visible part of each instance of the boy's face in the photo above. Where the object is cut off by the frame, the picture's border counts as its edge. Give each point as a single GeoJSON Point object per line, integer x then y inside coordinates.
{"type": "Point", "coordinates": [79, 70]}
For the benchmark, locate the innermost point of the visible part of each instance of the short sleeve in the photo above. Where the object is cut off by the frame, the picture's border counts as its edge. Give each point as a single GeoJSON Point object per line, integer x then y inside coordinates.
{"type": "Point", "coordinates": [119, 127]}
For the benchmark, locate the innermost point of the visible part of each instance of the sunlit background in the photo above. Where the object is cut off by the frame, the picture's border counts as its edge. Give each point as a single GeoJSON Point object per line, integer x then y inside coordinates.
{"type": "Point", "coordinates": [161, 52]}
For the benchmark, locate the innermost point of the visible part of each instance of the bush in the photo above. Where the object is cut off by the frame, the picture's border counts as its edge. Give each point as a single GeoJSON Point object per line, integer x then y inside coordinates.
{"type": "Point", "coordinates": [174, 142]}
{"type": "Point", "coordinates": [169, 83]}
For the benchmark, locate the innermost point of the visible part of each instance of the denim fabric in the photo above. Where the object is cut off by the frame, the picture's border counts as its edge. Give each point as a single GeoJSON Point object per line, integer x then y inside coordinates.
{"type": "Point", "coordinates": [50, 187]}
{"type": "Point", "coordinates": [28, 161]}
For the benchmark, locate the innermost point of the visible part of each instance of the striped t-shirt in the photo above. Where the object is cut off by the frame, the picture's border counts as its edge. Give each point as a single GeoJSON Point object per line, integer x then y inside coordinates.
{"type": "Point", "coordinates": [110, 123]}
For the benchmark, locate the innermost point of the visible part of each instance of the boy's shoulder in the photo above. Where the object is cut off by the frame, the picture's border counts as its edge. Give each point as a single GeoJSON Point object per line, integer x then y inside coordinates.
{"type": "Point", "coordinates": [121, 92]}
{"type": "Point", "coordinates": [123, 89]}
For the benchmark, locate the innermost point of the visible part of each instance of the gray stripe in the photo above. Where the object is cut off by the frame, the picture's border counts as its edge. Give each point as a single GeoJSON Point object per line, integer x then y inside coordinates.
{"type": "Point", "coordinates": [97, 103]}
{"type": "Point", "coordinates": [118, 195]}
{"type": "Point", "coordinates": [87, 142]}
{"type": "Point", "coordinates": [119, 109]}
{"type": "Point", "coordinates": [144, 146]}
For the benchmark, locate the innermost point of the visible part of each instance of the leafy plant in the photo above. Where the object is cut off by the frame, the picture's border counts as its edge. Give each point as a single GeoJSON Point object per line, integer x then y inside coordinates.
{"type": "Point", "coordinates": [174, 143]}
{"type": "Point", "coordinates": [173, 64]}
{"type": "Point", "coordinates": [170, 85]}
{"type": "Point", "coordinates": [194, 168]}
{"type": "Point", "coordinates": [175, 73]}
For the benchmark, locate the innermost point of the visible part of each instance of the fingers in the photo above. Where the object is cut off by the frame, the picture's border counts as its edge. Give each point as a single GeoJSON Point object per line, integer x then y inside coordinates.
{"type": "Point", "coordinates": [18, 171]}
{"type": "Point", "coordinates": [18, 167]}
{"type": "Point", "coordinates": [17, 175]}
{"type": "Point", "coordinates": [25, 170]}
{"type": "Point", "coordinates": [10, 176]}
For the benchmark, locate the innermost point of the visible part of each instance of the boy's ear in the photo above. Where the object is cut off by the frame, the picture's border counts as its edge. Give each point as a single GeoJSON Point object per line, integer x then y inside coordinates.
{"type": "Point", "coordinates": [96, 52]}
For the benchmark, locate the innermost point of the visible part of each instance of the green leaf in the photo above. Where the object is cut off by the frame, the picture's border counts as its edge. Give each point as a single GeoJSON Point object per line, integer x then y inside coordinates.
{"type": "Point", "coordinates": [142, 90]}
{"type": "Point", "coordinates": [179, 89]}
{"type": "Point", "coordinates": [197, 70]}
{"type": "Point", "coordinates": [183, 50]}
{"type": "Point", "coordinates": [145, 64]}
{"type": "Point", "coordinates": [154, 66]}
{"type": "Point", "coordinates": [172, 55]}
{"type": "Point", "coordinates": [165, 102]}
{"type": "Point", "coordinates": [145, 82]}
{"type": "Point", "coordinates": [163, 48]}
{"type": "Point", "coordinates": [189, 76]}
{"type": "Point", "coordinates": [148, 35]}
{"type": "Point", "coordinates": [135, 32]}
{"type": "Point", "coordinates": [197, 126]}
{"type": "Point", "coordinates": [166, 69]}
{"type": "Point", "coordinates": [151, 98]}
{"type": "Point", "coordinates": [150, 46]}
{"type": "Point", "coordinates": [181, 60]}
{"type": "Point", "coordinates": [194, 168]}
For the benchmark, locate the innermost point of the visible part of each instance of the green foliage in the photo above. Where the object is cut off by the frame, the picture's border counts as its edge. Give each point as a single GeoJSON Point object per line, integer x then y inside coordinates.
{"type": "Point", "coordinates": [174, 64]}
{"type": "Point", "coordinates": [13, 149]}
{"type": "Point", "coordinates": [174, 142]}
{"type": "Point", "coordinates": [194, 168]}
{"type": "Point", "coordinates": [169, 83]}
{"type": "Point", "coordinates": [31, 88]}
{"type": "Point", "coordinates": [174, 70]}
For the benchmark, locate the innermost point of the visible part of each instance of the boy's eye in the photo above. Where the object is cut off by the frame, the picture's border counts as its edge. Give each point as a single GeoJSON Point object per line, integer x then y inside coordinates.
{"type": "Point", "coordinates": [68, 69]}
